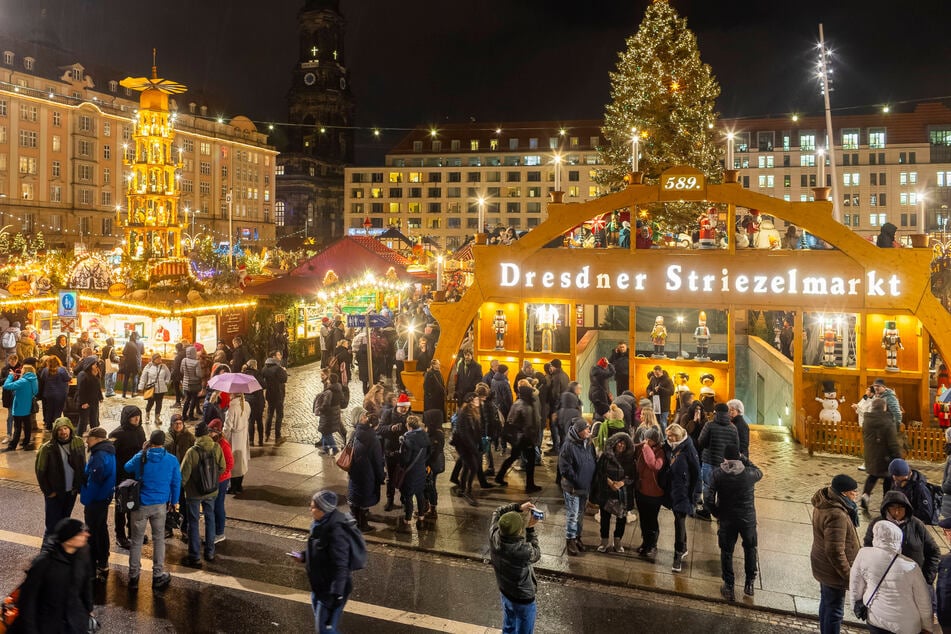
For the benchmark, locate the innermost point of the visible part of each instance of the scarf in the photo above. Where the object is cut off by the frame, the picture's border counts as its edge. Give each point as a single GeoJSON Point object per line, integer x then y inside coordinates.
{"type": "Point", "coordinates": [852, 509]}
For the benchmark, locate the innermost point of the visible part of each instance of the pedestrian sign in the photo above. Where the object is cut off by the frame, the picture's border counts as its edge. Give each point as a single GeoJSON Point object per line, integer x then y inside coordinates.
{"type": "Point", "coordinates": [68, 305]}
{"type": "Point", "coordinates": [360, 321]}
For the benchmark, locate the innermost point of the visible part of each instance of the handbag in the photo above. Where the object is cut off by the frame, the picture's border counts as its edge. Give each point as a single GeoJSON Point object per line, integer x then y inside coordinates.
{"type": "Point", "coordinates": [861, 608]}
{"type": "Point", "coordinates": [656, 402]}
{"type": "Point", "coordinates": [345, 459]}
{"type": "Point", "coordinates": [149, 391]}
{"type": "Point", "coordinates": [401, 353]}
{"type": "Point", "coordinates": [401, 474]}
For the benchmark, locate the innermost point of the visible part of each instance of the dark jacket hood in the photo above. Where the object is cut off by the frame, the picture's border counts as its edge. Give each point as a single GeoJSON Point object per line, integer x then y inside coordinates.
{"type": "Point", "coordinates": [128, 412]}
{"type": "Point", "coordinates": [433, 418]}
{"type": "Point", "coordinates": [614, 439]}
{"type": "Point", "coordinates": [105, 446]}
{"type": "Point", "coordinates": [897, 497]}
{"type": "Point", "coordinates": [271, 361]}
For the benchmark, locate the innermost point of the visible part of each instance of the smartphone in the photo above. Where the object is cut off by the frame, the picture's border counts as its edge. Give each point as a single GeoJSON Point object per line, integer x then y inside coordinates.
{"type": "Point", "coordinates": [296, 554]}
{"type": "Point", "coordinates": [538, 515]}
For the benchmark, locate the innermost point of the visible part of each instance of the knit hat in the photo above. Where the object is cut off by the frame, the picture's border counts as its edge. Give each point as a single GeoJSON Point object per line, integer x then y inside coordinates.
{"type": "Point", "coordinates": [731, 452]}
{"type": "Point", "coordinates": [325, 500]}
{"type": "Point", "coordinates": [602, 362]}
{"type": "Point", "coordinates": [645, 403]}
{"type": "Point", "coordinates": [215, 425]}
{"type": "Point", "coordinates": [898, 467]}
{"type": "Point", "coordinates": [97, 432]}
{"type": "Point", "coordinates": [556, 363]}
{"type": "Point", "coordinates": [157, 438]}
{"type": "Point", "coordinates": [403, 401]}
{"type": "Point", "coordinates": [614, 413]}
{"type": "Point", "coordinates": [843, 483]}
{"type": "Point", "coordinates": [525, 393]}
{"type": "Point", "coordinates": [67, 528]}
{"type": "Point", "coordinates": [175, 417]}
{"type": "Point", "coordinates": [579, 424]}
{"type": "Point", "coordinates": [511, 523]}
{"type": "Point", "coordinates": [201, 429]}
{"type": "Point", "coordinates": [721, 407]}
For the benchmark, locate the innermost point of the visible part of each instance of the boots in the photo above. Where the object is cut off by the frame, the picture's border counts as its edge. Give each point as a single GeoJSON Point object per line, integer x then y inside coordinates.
{"type": "Point", "coordinates": [402, 525]}
{"type": "Point", "coordinates": [158, 421]}
{"type": "Point", "coordinates": [389, 505]}
{"type": "Point", "coordinates": [604, 547]}
{"type": "Point", "coordinates": [237, 485]}
{"type": "Point", "coordinates": [572, 547]}
{"type": "Point", "coordinates": [727, 592]}
{"type": "Point", "coordinates": [467, 496]}
{"type": "Point", "coordinates": [363, 520]}
{"type": "Point", "coordinates": [863, 502]}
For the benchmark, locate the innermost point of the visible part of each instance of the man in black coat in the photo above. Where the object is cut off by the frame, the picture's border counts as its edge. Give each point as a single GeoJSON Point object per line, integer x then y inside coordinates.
{"type": "Point", "coordinates": [621, 361]}
{"type": "Point", "coordinates": [521, 422]}
{"type": "Point", "coordinates": [661, 386]}
{"type": "Point", "coordinates": [239, 355]}
{"type": "Point", "coordinates": [943, 590]}
{"type": "Point", "coordinates": [917, 543]}
{"type": "Point", "coordinates": [714, 439]}
{"type": "Point", "coordinates": [468, 375]}
{"type": "Point", "coordinates": [275, 380]}
{"type": "Point", "coordinates": [129, 439]}
{"type": "Point", "coordinates": [434, 388]}
{"type": "Point", "coordinates": [731, 489]}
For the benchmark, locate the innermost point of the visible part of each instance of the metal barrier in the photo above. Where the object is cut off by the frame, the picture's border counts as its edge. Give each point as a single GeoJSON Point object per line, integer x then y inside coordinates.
{"type": "Point", "coordinates": [845, 438]}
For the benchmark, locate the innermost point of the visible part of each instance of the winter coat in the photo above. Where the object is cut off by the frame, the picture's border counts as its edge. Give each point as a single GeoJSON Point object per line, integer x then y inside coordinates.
{"type": "Point", "coordinates": [715, 438]}
{"type": "Point", "coordinates": [902, 602]}
{"type": "Point", "coordinates": [520, 424]}
{"type": "Point", "coordinates": [880, 443]}
{"type": "Point", "coordinates": [618, 467]}
{"type": "Point", "coordinates": [55, 386]}
{"type": "Point", "coordinates": [622, 368]}
{"type": "Point", "coordinates": [23, 390]}
{"type": "Point", "coordinates": [892, 405]}
{"type": "Point", "coordinates": [915, 489]}
{"type": "Point", "coordinates": [886, 237]}
{"type": "Point", "coordinates": [943, 592]}
{"type": "Point", "coordinates": [156, 376]}
{"type": "Point", "coordinates": [599, 392]}
{"type": "Point", "coordinates": [917, 543]}
{"type": "Point", "coordinates": [468, 375]}
{"type": "Point", "coordinates": [229, 459]}
{"type": "Point", "coordinates": [178, 443]}
{"type": "Point", "coordinates": [327, 557]}
{"type": "Point", "coordinates": [835, 542]}
{"type": "Point", "coordinates": [468, 432]}
{"type": "Point", "coordinates": [432, 419]}
{"type": "Point", "coordinates": [502, 392]}
{"type": "Point", "coordinates": [235, 430]}
{"type": "Point", "coordinates": [177, 362]}
{"type": "Point", "coordinates": [100, 476]}
{"type": "Point", "coordinates": [4, 373]}
{"type": "Point", "coordinates": [160, 476]}
{"type": "Point", "coordinates": [693, 419]}
{"type": "Point", "coordinates": [489, 418]}
{"type": "Point", "coordinates": [60, 351]}
{"type": "Point", "coordinates": [88, 388]}
{"type": "Point", "coordinates": [239, 356]}
{"type": "Point", "coordinates": [731, 487]}
{"type": "Point", "coordinates": [366, 474]}
{"type": "Point", "coordinates": [330, 400]}
{"type": "Point", "coordinates": [946, 487]}
{"type": "Point", "coordinates": [192, 372]}
{"type": "Point", "coordinates": [569, 409]}
{"type": "Point", "coordinates": [663, 387]}
{"type": "Point", "coordinates": [256, 398]}
{"type": "Point", "coordinates": [26, 347]}
{"type": "Point", "coordinates": [558, 381]}
{"type": "Point", "coordinates": [742, 433]}
{"type": "Point", "coordinates": [49, 467]}
{"type": "Point", "coordinates": [415, 447]}
{"type": "Point", "coordinates": [650, 460]}
{"type": "Point", "coordinates": [434, 390]}
{"type": "Point", "coordinates": [57, 593]}
{"type": "Point", "coordinates": [131, 357]}
{"type": "Point", "coordinates": [627, 405]}
{"type": "Point", "coordinates": [685, 482]}
{"type": "Point", "coordinates": [576, 464]}
{"type": "Point", "coordinates": [275, 380]}
{"type": "Point", "coordinates": [192, 457]}
{"type": "Point", "coordinates": [128, 439]}
{"type": "Point", "coordinates": [512, 558]}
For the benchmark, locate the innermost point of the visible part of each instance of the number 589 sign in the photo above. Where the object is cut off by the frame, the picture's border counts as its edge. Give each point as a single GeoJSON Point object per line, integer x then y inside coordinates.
{"type": "Point", "coordinates": [683, 183]}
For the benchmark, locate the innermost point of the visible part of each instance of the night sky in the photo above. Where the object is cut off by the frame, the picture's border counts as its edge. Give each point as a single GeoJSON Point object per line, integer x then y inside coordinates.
{"type": "Point", "coordinates": [422, 61]}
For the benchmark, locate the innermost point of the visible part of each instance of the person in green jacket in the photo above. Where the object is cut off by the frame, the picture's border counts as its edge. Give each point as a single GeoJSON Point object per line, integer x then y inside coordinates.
{"type": "Point", "coordinates": [195, 500]}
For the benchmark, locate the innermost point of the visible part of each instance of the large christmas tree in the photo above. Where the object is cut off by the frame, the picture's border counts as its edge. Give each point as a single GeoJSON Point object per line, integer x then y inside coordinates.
{"type": "Point", "coordinates": [662, 90]}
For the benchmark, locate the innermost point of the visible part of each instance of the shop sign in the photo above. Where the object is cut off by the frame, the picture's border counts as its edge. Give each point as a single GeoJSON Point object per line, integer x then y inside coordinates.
{"type": "Point", "coordinates": [233, 322]}
{"type": "Point", "coordinates": [20, 287]}
{"type": "Point", "coordinates": [118, 289]}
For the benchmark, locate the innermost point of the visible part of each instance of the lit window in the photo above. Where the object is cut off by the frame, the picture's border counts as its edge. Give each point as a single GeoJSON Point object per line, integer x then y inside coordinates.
{"type": "Point", "coordinates": [807, 142]}
{"type": "Point", "coordinates": [876, 138]}
{"type": "Point", "coordinates": [474, 145]}
{"type": "Point", "coordinates": [850, 139]}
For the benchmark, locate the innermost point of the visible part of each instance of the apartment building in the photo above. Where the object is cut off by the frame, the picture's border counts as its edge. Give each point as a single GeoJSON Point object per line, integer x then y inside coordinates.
{"type": "Point", "coordinates": [65, 129]}
{"type": "Point", "coordinates": [433, 179]}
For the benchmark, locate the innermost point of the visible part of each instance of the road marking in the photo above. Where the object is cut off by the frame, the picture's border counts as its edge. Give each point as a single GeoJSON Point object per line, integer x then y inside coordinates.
{"type": "Point", "coordinates": [369, 610]}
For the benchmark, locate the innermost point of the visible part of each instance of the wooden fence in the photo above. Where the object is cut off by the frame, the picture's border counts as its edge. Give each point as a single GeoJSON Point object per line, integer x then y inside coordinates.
{"type": "Point", "coordinates": [919, 443]}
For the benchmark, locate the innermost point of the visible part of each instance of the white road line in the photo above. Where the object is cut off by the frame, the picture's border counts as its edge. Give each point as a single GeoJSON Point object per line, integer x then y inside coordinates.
{"type": "Point", "coordinates": [369, 610]}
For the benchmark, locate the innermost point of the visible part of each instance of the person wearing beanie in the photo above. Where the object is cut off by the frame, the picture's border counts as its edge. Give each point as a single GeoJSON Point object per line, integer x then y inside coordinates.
{"type": "Point", "coordinates": [327, 559]}
{"type": "Point", "coordinates": [835, 544]}
{"type": "Point", "coordinates": [392, 427]}
{"type": "Point", "coordinates": [714, 439]}
{"type": "Point", "coordinates": [569, 408]}
{"type": "Point", "coordinates": [577, 463]}
{"type": "Point", "coordinates": [620, 359]}
{"type": "Point", "coordinates": [367, 473]}
{"type": "Point", "coordinates": [57, 595]}
{"type": "Point", "coordinates": [684, 489]}
{"type": "Point", "coordinates": [513, 549]}
{"type": "Point", "coordinates": [128, 439]}
{"type": "Point", "coordinates": [60, 465]}
{"type": "Point", "coordinates": [917, 543]}
{"type": "Point", "coordinates": [521, 431]}
{"type": "Point", "coordinates": [95, 496]}
{"type": "Point", "coordinates": [914, 486]}
{"type": "Point", "coordinates": [891, 401]}
{"type": "Point", "coordinates": [599, 389]}
{"type": "Point", "coordinates": [613, 490]}
{"type": "Point", "coordinates": [160, 488]}
{"type": "Point", "coordinates": [198, 501]}
{"type": "Point", "coordinates": [660, 389]}
{"type": "Point", "coordinates": [880, 444]}
{"type": "Point", "coordinates": [732, 493]}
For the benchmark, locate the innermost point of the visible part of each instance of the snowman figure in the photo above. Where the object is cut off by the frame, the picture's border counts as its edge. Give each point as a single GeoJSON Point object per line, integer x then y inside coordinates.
{"type": "Point", "coordinates": [830, 403]}
{"type": "Point", "coordinates": [768, 236]}
{"type": "Point", "coordinates": [742, 239]}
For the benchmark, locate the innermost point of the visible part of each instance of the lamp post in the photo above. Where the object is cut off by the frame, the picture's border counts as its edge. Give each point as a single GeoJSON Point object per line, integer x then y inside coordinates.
{"type": "Point", "coordinates": [229, 198]}
{"type": "Point", "coordinates": [729, 151]}
{"type": "Point", "coordinates": [680, 324]}
{"type": "Point", "coordinates": [634, 149]}
{"type": "Point", "coordinates": [481, 201]}
{"type": "Point", "coordinates": [921, 213]}
{"type": "Point", "coordinates": [439, 267]}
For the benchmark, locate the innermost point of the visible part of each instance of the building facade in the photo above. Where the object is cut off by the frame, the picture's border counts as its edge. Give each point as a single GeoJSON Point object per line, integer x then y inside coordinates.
{"type": "Point", "coordinates": [432, 180]}
{"type": "Point", "coordinates": [319, 142]}
{"type": "Point", "coordinates": [66, 130]}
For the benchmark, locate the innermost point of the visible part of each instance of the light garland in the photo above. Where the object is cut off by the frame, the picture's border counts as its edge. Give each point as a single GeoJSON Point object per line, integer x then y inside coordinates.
{"type": "Point", "coordinates": [213, 308]}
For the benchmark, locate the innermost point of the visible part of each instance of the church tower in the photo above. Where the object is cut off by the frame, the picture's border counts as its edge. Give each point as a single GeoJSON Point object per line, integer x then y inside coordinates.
{"type": "Point", "coordinates": [320, 135]}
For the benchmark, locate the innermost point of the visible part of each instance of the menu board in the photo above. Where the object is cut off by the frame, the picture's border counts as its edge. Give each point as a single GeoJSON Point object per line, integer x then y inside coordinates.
{"type": "Point", "coordinates": [206, 332]}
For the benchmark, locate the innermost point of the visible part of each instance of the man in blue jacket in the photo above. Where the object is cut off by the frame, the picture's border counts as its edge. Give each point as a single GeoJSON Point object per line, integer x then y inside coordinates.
{"type": "Point", "coordinates": [576, 466]}
{"type": "Point", "coordinates": [161, 481]}
{"type": "Point", "coordinates": [96, 494]}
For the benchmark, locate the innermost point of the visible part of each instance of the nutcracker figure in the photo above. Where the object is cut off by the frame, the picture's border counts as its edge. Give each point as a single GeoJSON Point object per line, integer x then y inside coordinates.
{"type": "Point", "coordinates": [708, 397]}
{"type": "Point", "coordinates": [829, 337]}
{"type": "Point", "coordinates": [751, 223]}
{"type": "Point", "coordinates": [891, 342]}
{"type": "Point", "coordinates": [659, 338]}
{"type": "Point", "coordinates": [701, 335]}
{"type": "Point", "coordinates": [501, 327]}
{"type": "Point", "coordinates": [708, 228]}
{"type": "Point", "coordinates": [942, 409]}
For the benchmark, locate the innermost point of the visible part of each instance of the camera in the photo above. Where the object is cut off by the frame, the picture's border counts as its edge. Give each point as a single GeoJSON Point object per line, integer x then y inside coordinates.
{"type": "Point", "coordinates": [538, 515]}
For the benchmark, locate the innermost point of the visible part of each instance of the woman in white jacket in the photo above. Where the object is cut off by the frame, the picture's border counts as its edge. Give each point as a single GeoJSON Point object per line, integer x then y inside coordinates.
{"type": "Point", "coordinates": [156, 376]}
{"type": "Point", "coordinates": [236, 432]}
{"type": "Point", "coordinates": [902, 603]}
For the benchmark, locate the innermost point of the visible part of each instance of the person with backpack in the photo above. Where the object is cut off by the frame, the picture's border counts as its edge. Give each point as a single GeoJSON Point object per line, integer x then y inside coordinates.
{"type": "Point", "coordinates": [915, 487]}
{"type": "Point", "coordinates": [128, 439]}
{"type": "Point", "coordinates": [714, 438]}
{"type": "Point", "coordinates": [917, 542]}
{"type": "Point", "coordinates": [201, 471]}
{"type": "Point", "coordinates": [335, 548]}
{"type": "Point", "coordinates": [157, 471]}
{"type": "Point", "coordinates": [10, 338]}
{"type": "Point", "coordinates": [215, 428]}
{"type": "Point", "coordinates": [513, 554]}
{"type": "Point", "coordinates": [24, 389]}
{"type": "Point", "coordinates": [576, 469]}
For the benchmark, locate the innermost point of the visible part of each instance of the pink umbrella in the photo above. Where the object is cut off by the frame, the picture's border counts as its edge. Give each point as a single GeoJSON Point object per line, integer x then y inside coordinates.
{"type": "Point", "coordinates": [234, 383]}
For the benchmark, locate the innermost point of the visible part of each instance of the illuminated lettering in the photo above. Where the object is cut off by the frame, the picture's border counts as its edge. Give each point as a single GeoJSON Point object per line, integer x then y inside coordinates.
{"type": "Point", "coordinates": [639, 280]}
{"type": "Point", "coordinates": [604, 280]}
{"type": "Point", "coordinates": [581, 280]}
{"type": "Point", "coordinates": [893, 286]}
{"type": "Point", "coordinates": [509, 274]}
{"type": "Point", "coordinates": [566, 280]}
{"type": "Point", "coordinates": [548, 279]}
{"type": "Point", "coordinates": [529, 278]}
{"type": "Point", "coordinates": [742, 284]}
{"type": "Point", "coordinates": [759, 283]}
{"type": "Point", "coordinates": [777, 284]}
{"type": "Point", "coordinates": [875, 285]}
{"type": "Point", "coordinates": [852, 284]}
{"type": "Point", "coordinates": [673, 278]}
{"type": "Point", "coordinates": [623, 281]}
{"type": "Point", "coordinates": [837, 287]}
{"type": "Point", "coordinates": [814, 286]}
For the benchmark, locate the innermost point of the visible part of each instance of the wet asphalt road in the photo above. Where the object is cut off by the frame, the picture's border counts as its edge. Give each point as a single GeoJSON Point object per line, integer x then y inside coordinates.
{"type": "Point", "coordinates": [424, 584]}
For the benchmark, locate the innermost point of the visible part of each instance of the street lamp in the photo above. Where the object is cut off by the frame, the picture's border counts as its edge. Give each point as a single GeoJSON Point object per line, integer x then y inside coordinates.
{"type": "Point", "coordinates": [921, 213]}
{"type": "Point", "coordinates": [680, 324]}
{"type": "Point", "coordinates": [481, 201]}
